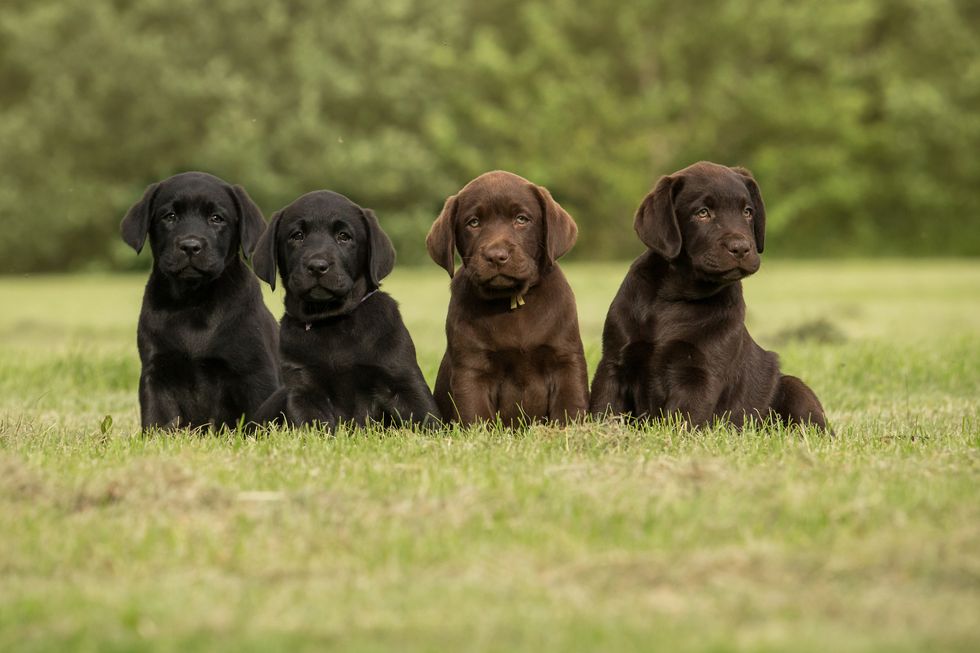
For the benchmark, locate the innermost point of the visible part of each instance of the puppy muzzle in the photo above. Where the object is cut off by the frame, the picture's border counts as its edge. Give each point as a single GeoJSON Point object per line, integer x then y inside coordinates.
{"type": "Point", "coordinates": [722, 266]}
{"type": "Point", "coordinates": [501, 270]}
{"type": "Point", "coordinates": [189, 256]}
{"type": "Point", "coordinates": [325, 288]}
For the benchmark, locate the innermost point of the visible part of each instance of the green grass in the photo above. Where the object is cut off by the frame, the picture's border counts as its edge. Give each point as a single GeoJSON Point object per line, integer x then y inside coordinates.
{"type": "Point", "coordinates": [594, 537]}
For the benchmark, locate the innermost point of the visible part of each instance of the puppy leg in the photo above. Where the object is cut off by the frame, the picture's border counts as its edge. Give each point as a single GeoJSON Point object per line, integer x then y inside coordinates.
{"type": "Point", "coordinates": [441, 391]}
{"type": "Point", "coordinates": [608, 392]}
{"type": "Point", "coordinates": [414, 404]}
{"type": "Point", "coordinates": [272, 411]}
{"type": "Point", "coordinates": [469, 397]}
{"type": "Point", "coordinates": [569, 398]}
{"type": "Point", "coordinates": [461, 394]}
{"type": "Point", "coordinates": [310, 409]}
{"type": "Point", "coordinates": [158, 406]}
{"type": "Point", "coordinates": [691, 389]}
{"type": "Point", "coordinates": [254, 392]}
{"type": "Point", "coordinates": [692, 405]}
{"type": "Point", "coordinates": [796, 403]}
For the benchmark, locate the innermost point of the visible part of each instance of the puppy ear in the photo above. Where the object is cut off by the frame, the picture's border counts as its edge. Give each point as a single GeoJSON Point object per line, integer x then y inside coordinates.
{"type": "Point", "coordinates": [759, 219]}
{"type": "Point", "coordinates": [381, 253]}
{"type": "Point", "coordinates": [560, 231]}
{"type": "Point", "coordinates": [441, 241]}
{"type": "Point", "coordinates": [251, 224]}
{"type": "Point", "coordinates": [656, 223]}
{"type": "Point", "coordinates": [136, 223]}
{"type": "Point", "coordinates": [264, 261]}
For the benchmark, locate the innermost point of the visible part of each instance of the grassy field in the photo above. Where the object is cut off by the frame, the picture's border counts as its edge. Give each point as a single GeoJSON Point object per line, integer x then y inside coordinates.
{"type": "Point", "coordinates": [594, 537]}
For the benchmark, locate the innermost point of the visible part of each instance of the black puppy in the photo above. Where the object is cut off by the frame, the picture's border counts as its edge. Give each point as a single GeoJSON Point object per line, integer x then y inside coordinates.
{"type": "Point", "coordinates": [346, 354]}
{"type": "Point", "coordinates": [206, 340]}
{"type": "Point", "coordinates": [675, 338]}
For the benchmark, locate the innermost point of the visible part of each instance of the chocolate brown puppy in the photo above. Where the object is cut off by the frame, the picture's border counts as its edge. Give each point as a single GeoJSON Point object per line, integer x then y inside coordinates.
{"type": "Point", "coordinates": [675, 340]}
{"type": "Point", "coordinates": [513, 346]}
{"type": "Point", "coordinates": [206, 340]}
{"type": "Point", "coordinates": [346, 354]}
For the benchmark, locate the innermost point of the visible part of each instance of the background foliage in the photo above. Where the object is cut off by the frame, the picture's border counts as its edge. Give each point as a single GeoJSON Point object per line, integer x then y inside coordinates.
{"type": "Point", "coordinates": [859, 117]}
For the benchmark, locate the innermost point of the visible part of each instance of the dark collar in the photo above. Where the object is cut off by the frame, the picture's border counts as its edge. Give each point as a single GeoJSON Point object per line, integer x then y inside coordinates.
{"type": "Point", "coordinates": [309, 325]}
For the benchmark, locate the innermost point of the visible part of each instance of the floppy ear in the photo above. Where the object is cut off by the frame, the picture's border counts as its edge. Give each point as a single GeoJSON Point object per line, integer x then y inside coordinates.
{"type": "Point", "coordinates": [136, 223]}
{"type": "Point", "coordinates": [759, 219]}
{"type": "Point", "coordinates": [560, 231]}
{"type": "Point", "coordinates": [656, 223]}
{"type": "Point", "coordinates": [264, 260]}
{"type": "Point", "coordinates": [251, 224]}
{"type": "Point", "coordinates": [441, 241]}
{"type": "Point", "coordinates": [381, 253]}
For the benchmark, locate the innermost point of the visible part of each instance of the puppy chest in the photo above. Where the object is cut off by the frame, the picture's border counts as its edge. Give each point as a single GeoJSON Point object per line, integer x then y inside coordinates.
{"type": "Point", "coordinates": [335, 366]}
{"type": "Point", "coordinates": [192, 334]}
{"type": "Point", "coordinates": [518, 364]}
{"type": "Point", "coordinates": [200, 382]}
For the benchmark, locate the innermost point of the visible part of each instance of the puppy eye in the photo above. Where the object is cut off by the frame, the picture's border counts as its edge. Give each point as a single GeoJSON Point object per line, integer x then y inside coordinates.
{"type": "Point", "coordinates": [474, 222]}
{"type": "Point", "coordinates": [216, 219]}
{"type": "Point", "coordinates": [522, 219]}
{"type": "Point", "coordinates": [343, 237]}
{"type": "Point", "coordinates": [747, 212]}
{"type": "Point", "coordinates": [703, 214]}
{"type": "Point", "coordinates": [170, 217]}
{"type": "Point", "coordinates": [297, 236]}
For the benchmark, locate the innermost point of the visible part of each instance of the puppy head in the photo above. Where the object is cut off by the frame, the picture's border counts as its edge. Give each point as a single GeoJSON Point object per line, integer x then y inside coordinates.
{"type": "Point", "coordinates": [711, 214]}
{"type": "Point", "coordinates": [196, 223]}
{"type": "Point", "coordinates": [507, 230]}
{"type": "Point", "coordinates": [330, 254]}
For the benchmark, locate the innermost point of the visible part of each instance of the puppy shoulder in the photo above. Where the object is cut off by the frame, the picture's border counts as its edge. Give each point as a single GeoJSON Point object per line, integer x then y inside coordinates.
{"type": "Point", "coordinates": [381, 301]}
{"type": "Point", "coordinates": [634, 306]}
{"type": "Point", "coordinates": [644, 278]}
{"type": "Point", "coordinates": [382, 328]}
{"type": "Point", "coordinates": [556, 279]}
{"type": "Point", "coordinates": [459, 283]}
{"type": "Point", "coordinates": [379, 313]}
{"type": "Point", "coordinates": [464, 303]}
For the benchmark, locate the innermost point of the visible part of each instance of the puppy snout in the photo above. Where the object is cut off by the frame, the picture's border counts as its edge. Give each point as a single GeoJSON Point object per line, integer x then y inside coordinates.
{"type": "Point", "coordinates": [191, 245]}
{"type": "Point", "coordinates": [496, 254]}
{"type": "Point", "coordinates": [738, 247]}
{"type": "Point", "coordinates": [317, 266]}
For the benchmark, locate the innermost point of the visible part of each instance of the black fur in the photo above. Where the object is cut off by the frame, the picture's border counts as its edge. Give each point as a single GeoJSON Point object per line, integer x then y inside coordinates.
{"type": "Point", "coordinates": [346, 354]}
{"type": "Point", "coordinates": [207, 342]}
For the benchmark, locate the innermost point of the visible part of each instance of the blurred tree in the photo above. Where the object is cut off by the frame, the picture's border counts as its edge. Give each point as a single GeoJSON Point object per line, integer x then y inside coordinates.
{"type": "Point", "coordinates": [860, 117]}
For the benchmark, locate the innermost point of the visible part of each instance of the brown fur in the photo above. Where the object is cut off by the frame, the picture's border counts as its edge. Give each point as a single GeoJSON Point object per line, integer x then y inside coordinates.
{"type": "Point", "coordinates": [675, 340]}
{"type": "Point", "coordinates": [513, 344]}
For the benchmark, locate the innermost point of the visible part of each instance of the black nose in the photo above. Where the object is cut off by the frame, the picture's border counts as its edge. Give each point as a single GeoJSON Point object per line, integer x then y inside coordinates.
{"type": "Point", "coordinates": [739, 247]}
{"type": "Point", "coordinates": [496, 254]}
{"type": "Point", "coordinates": [191, 245]}
{"type": "Point", "coordinates": [317, 266]}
